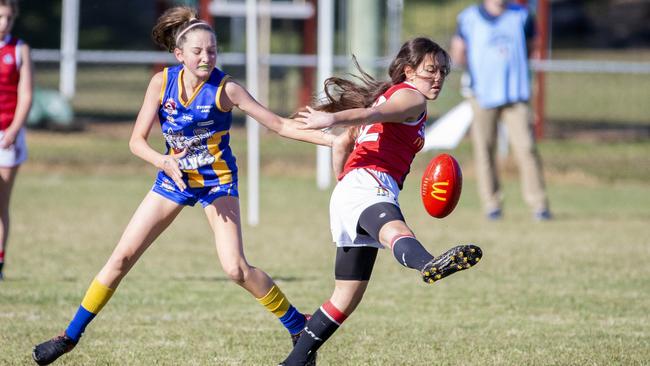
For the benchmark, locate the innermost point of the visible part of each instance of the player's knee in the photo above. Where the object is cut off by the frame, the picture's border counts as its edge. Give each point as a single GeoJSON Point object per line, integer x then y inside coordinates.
{"type": "Point", "coordinates": [391, 232]}
{"type": "Point", "coordinates": [375, 217]}
{"type": "Point", "coordinates": [235, 274]}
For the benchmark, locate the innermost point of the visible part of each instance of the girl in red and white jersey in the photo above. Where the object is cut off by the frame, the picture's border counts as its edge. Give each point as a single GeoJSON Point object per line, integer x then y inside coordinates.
{"type": "Point", "coordinates": [15, 100]}
{"type": "Point", "coordinates": [372, 161]}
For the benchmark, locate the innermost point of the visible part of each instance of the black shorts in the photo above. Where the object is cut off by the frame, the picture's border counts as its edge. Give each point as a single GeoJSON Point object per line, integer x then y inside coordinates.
{"type": "Point", "coordinates": [354, 263]}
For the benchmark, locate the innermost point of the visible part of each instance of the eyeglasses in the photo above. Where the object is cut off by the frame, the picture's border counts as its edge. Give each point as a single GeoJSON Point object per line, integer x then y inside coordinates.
{"type": "Point", "coordinates": [431, 75]}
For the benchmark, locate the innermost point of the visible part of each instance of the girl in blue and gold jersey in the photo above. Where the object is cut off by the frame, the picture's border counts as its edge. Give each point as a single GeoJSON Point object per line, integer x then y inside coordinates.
{"type": "Point", "coordinates": [193, 103]}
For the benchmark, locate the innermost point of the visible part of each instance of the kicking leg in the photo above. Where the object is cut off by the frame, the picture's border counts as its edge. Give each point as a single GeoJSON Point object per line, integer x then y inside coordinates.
{"type": "Point", "coordinates": [384, 222]}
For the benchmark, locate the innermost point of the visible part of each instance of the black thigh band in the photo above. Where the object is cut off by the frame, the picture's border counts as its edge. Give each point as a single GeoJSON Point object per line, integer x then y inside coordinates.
{"type": "Point", "coordinates": [354, 263]}
{"type": "Point", "coordinates": [374, 217]}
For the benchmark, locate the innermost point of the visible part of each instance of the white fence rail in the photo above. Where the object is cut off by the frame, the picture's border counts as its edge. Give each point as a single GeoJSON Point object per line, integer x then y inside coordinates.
{"type": "Point", "coordinates": [296, 60]}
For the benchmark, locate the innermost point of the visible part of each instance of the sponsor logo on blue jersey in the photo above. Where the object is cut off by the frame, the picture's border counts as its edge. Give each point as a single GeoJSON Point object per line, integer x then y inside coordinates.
{"type": "Point", "coordinates": [170, 106]}
{"type": "Point", "coordinates": [167, 185]}
{"type": "Point", "coordinates": [204, 108]}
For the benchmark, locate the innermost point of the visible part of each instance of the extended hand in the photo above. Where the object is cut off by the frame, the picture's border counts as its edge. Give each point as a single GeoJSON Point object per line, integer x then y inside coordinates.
{"type": "Point", "coordinates": [169, 164]}
{"type": "Point", "coordinates": [315, 120]}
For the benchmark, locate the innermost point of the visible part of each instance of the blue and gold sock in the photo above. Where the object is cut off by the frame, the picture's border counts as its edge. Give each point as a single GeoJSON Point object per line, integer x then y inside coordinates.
{"type": "Point", "coordinates": [278, 304]}
{"type": "Point", "coordinates": [96, 297]}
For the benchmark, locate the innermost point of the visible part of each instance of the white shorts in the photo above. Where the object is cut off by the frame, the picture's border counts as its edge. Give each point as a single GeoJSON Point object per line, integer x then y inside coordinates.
{"type": "Point", "coordinates": [15, 154]}
{"type": "Point", "coordinates": [358, 190]}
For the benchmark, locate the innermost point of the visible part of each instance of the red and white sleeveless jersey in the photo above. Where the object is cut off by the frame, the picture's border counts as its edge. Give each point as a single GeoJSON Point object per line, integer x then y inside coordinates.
{"type": "Point", "coordinates": [388, 146]}
{"type": "Point", "coordinates": [10, 62]}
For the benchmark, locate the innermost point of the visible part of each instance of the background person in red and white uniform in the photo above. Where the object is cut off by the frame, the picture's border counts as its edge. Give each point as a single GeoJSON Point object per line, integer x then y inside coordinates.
{"type": "Point", "coordinates": [364, 209]}
{"type": "Point", "coordinates": [16, 90]}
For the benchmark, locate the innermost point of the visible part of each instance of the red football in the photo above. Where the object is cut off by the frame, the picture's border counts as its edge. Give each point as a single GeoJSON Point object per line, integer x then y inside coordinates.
{"type": "Point", "coordinates": [441, 185]}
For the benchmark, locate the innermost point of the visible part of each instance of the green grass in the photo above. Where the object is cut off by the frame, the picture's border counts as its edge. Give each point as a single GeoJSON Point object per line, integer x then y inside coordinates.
{"type": "Point", "coordinates": [573, 291]}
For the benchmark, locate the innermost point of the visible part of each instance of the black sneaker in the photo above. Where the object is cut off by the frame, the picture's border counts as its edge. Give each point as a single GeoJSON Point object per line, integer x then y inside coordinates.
{"type": "Point", "coordinates": [47, 352]}
{"type": "Point", "coordinates": [454, 260]}
{"type": "Point", "coordinates": [294, 339]}
{"type": "Point", "coordinates": [311, 361]}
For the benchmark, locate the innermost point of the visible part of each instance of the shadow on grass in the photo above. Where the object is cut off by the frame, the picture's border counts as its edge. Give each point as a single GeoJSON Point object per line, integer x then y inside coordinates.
{"type": "Point", "coordinates": [226, 279]}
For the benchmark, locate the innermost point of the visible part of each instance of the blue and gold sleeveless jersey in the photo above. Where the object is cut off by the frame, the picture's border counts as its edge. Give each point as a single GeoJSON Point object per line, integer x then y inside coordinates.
{"type": "Point", "coordinates": [200, 125]}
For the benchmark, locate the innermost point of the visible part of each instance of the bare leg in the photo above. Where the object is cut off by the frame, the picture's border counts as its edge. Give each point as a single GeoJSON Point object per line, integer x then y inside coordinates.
{"type": "Point", "coordinates": [152, 217]}
{"type": "Point", "coordinates": [224, 218]}
{"type": "Point", "coordinates": [7, 178]}
{"type": "Point", "coordinates": [154, 214]}
{"type": "Point", "coordinates": [348, 294]}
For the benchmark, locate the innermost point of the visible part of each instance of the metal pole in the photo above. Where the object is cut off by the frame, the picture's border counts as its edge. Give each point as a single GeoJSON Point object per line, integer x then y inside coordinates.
{"type": "Point", "coordinates": [204, 12]}
{"type": "Point", "coordinates": [69, 38]}
{"type": "Point", "coordinates": [364, 36]}
{"type": "Point", "coordinates": [252, 128]}
{"type": "Point", "coordinates": [395, 10]}
{"type": "Point", "coordinates": [325, 68]}
{"type": "Point", "coordinates": [264, 50]}
{"type": "Point", "coordinates": [237, 32]}
{"type": "Point", "coordinates": [308, 48]}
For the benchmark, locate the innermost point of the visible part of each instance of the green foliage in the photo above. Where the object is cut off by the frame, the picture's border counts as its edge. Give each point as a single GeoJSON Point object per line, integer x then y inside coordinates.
{"type": "Point", "coordinates": [39, 23]}
{"type": "Point", "coordinates": [557, 293]}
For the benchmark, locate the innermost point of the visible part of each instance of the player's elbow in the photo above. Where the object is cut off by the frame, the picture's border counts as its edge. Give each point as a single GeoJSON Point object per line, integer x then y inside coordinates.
{"type": "Point", "coordinates": [134, 143]}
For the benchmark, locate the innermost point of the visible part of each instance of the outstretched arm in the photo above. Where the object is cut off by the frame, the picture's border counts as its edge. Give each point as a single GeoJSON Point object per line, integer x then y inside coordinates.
{"type": "Point", "coordinates": [404, 106]}
{"type": "Point", "coordinates": [237, 96]}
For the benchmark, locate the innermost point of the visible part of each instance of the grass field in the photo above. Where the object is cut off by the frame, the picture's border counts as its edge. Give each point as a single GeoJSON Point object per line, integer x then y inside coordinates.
{"type": "Point", "coordinates": [573, 291]}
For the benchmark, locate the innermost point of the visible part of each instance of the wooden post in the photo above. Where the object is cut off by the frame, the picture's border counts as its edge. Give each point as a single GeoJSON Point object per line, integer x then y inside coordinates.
{"type": "Point", "coordinates": [308, 48]}
{"type": "Point", "coordinates": [541, 54]}
{"type": "Point", "coordinates": [204, 12]}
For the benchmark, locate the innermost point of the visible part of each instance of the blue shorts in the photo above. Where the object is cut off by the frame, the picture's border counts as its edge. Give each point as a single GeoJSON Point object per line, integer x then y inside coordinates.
{"type": "Point", "coordinates": [166, 187]}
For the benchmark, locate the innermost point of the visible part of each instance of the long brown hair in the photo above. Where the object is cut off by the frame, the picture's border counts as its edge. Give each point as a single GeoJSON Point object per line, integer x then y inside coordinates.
{"type": "Point", "coordinates": [342, 94]}
{"type": "Point", "coordinates": [174, 21]}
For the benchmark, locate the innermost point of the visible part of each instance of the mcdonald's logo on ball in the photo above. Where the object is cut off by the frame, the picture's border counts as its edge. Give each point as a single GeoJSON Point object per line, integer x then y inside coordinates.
{"type": "Point", "coordinates": [442, 183]}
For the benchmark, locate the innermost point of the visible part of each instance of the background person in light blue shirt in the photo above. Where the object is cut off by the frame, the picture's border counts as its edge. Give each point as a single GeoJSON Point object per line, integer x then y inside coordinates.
{"type": "Point", "coordinates": [493, 41]}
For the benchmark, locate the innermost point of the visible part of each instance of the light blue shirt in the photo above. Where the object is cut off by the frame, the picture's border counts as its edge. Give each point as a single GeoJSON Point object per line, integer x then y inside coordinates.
{"type": "Point", "coordinates": [497, 56]}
